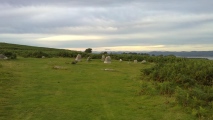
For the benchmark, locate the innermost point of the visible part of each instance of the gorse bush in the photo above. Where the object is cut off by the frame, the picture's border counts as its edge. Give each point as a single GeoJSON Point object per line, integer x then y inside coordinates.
{"type": "Point", "coordinates": [10, 55]}
{"type": "Point", "coordinates": [198, 100]}
{"type": "Point", "coordinates": [195, 97]}
{"type": "Point", "coordinates": [189, 80]}
{"type": "Point", "coordinates": [38, 54]}
{"type": "Point", "coordinates": [166, 88]}
{"type": "Point", "coordinates": [183, 73]}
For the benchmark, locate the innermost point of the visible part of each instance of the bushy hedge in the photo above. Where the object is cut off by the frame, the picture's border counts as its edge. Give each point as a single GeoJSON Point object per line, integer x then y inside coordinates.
{"type": "Point", "coordinates": [190, 81]}
{"type": "Point", "coordinates": [185, 73]}
{"type": "Point", "coordinates": [9, 55]}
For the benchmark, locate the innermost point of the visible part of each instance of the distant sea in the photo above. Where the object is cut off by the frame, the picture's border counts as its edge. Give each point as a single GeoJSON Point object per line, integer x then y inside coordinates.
{"type": "Point", "coordinates": [210, 58]}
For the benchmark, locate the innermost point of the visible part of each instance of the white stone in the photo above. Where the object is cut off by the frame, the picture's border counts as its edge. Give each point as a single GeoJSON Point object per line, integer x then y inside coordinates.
{"type": "Point", "coordinates": [144, 61]}
{"type": "Point", "coordinates": [107, 59]}
{"type": "Point", "coordinates": [3, 56]}
{"type": "Point", "coordinates": [135, 61]}
{"type": "Point", "coordinates": [103, 58]}
{"type": "Point", "coordinates": [78, 58]}
{"type": "Point", "coordinates": [88, 59]}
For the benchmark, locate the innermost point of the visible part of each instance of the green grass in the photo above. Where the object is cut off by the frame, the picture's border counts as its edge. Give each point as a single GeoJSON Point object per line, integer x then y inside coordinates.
{"type": "Point", "coordinates": [31, 89]}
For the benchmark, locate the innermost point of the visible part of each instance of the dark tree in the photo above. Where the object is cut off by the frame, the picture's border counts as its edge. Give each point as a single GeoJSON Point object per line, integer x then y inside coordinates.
{"type": "Point", "coordinates": [104, 53]}
{"type": "Point", "coordinates": [88, 50]}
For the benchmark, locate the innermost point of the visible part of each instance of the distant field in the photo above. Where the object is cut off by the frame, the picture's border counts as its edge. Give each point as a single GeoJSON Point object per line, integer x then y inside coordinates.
{"type": "Point", "coordinates": [32, 89]}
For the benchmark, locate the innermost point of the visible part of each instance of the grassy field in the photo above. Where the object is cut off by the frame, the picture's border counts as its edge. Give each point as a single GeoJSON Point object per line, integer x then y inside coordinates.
{"type": "Point", "coordinates": [32, 89]}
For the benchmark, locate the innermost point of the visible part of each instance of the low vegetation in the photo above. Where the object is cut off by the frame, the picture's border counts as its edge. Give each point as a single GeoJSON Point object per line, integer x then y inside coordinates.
{"type": "Point", "coordinates": [189, 81]}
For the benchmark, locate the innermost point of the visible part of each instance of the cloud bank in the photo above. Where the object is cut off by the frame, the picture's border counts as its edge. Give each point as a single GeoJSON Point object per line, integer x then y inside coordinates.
{"type": "Point", "coordinates": [106, 24]}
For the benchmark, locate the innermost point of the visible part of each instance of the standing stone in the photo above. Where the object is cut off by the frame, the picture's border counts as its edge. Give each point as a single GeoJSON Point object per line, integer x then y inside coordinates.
{"type": "Point", "coordinates": [78, 58]}
{"type": "Point", "coordinates": [103, 58]}
{"type": "Point", "coordinates": [3, 56]}
{"type": "Point", "coordinates": [88, 59]}
{"type": "Point", "coordinates": [144, 61]}
{"type": "Point", "coordinates": [135, 61]}
{"type": "Point", "coordinates": [107, 59]}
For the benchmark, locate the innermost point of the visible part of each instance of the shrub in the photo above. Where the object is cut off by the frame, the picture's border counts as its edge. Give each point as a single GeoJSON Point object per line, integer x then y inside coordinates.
{"type": "Point", "coordinates": [74, 62]}
{"type": "Point", "coordinates": [10, 55]}
{"type": "Point", "coordinates": [38, 54]}
{"type": "Point", "coordinates": [166, 88]}
{"type": "Point", "coordinates": [190, 81]}
{"type": "Point", "coordinates": [148, 89]}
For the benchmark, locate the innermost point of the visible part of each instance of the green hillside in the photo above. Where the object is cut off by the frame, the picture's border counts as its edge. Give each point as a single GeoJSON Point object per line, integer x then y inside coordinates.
{"type": "Point", "coordinates": [37, 52]}
{"type": "Point", "coordinates": [9, 46]}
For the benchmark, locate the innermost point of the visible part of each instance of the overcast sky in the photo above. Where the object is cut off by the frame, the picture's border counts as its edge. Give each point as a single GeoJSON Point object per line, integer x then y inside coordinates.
{"type": "Point", "coordinates": [140, 25]}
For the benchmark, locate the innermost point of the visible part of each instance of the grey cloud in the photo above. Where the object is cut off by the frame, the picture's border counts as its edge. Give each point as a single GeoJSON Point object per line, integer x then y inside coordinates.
{"type": "Point", "coordinates": [52, 19]}
{"type": "Point", "coordinates": [106, 17]}
{"type": "Point", "coordinates": [187, 5]}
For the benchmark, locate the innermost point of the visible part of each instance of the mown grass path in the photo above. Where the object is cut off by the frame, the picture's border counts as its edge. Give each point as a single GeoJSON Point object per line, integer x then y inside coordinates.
{"type": "Point", "coordinates": [34, 90]}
